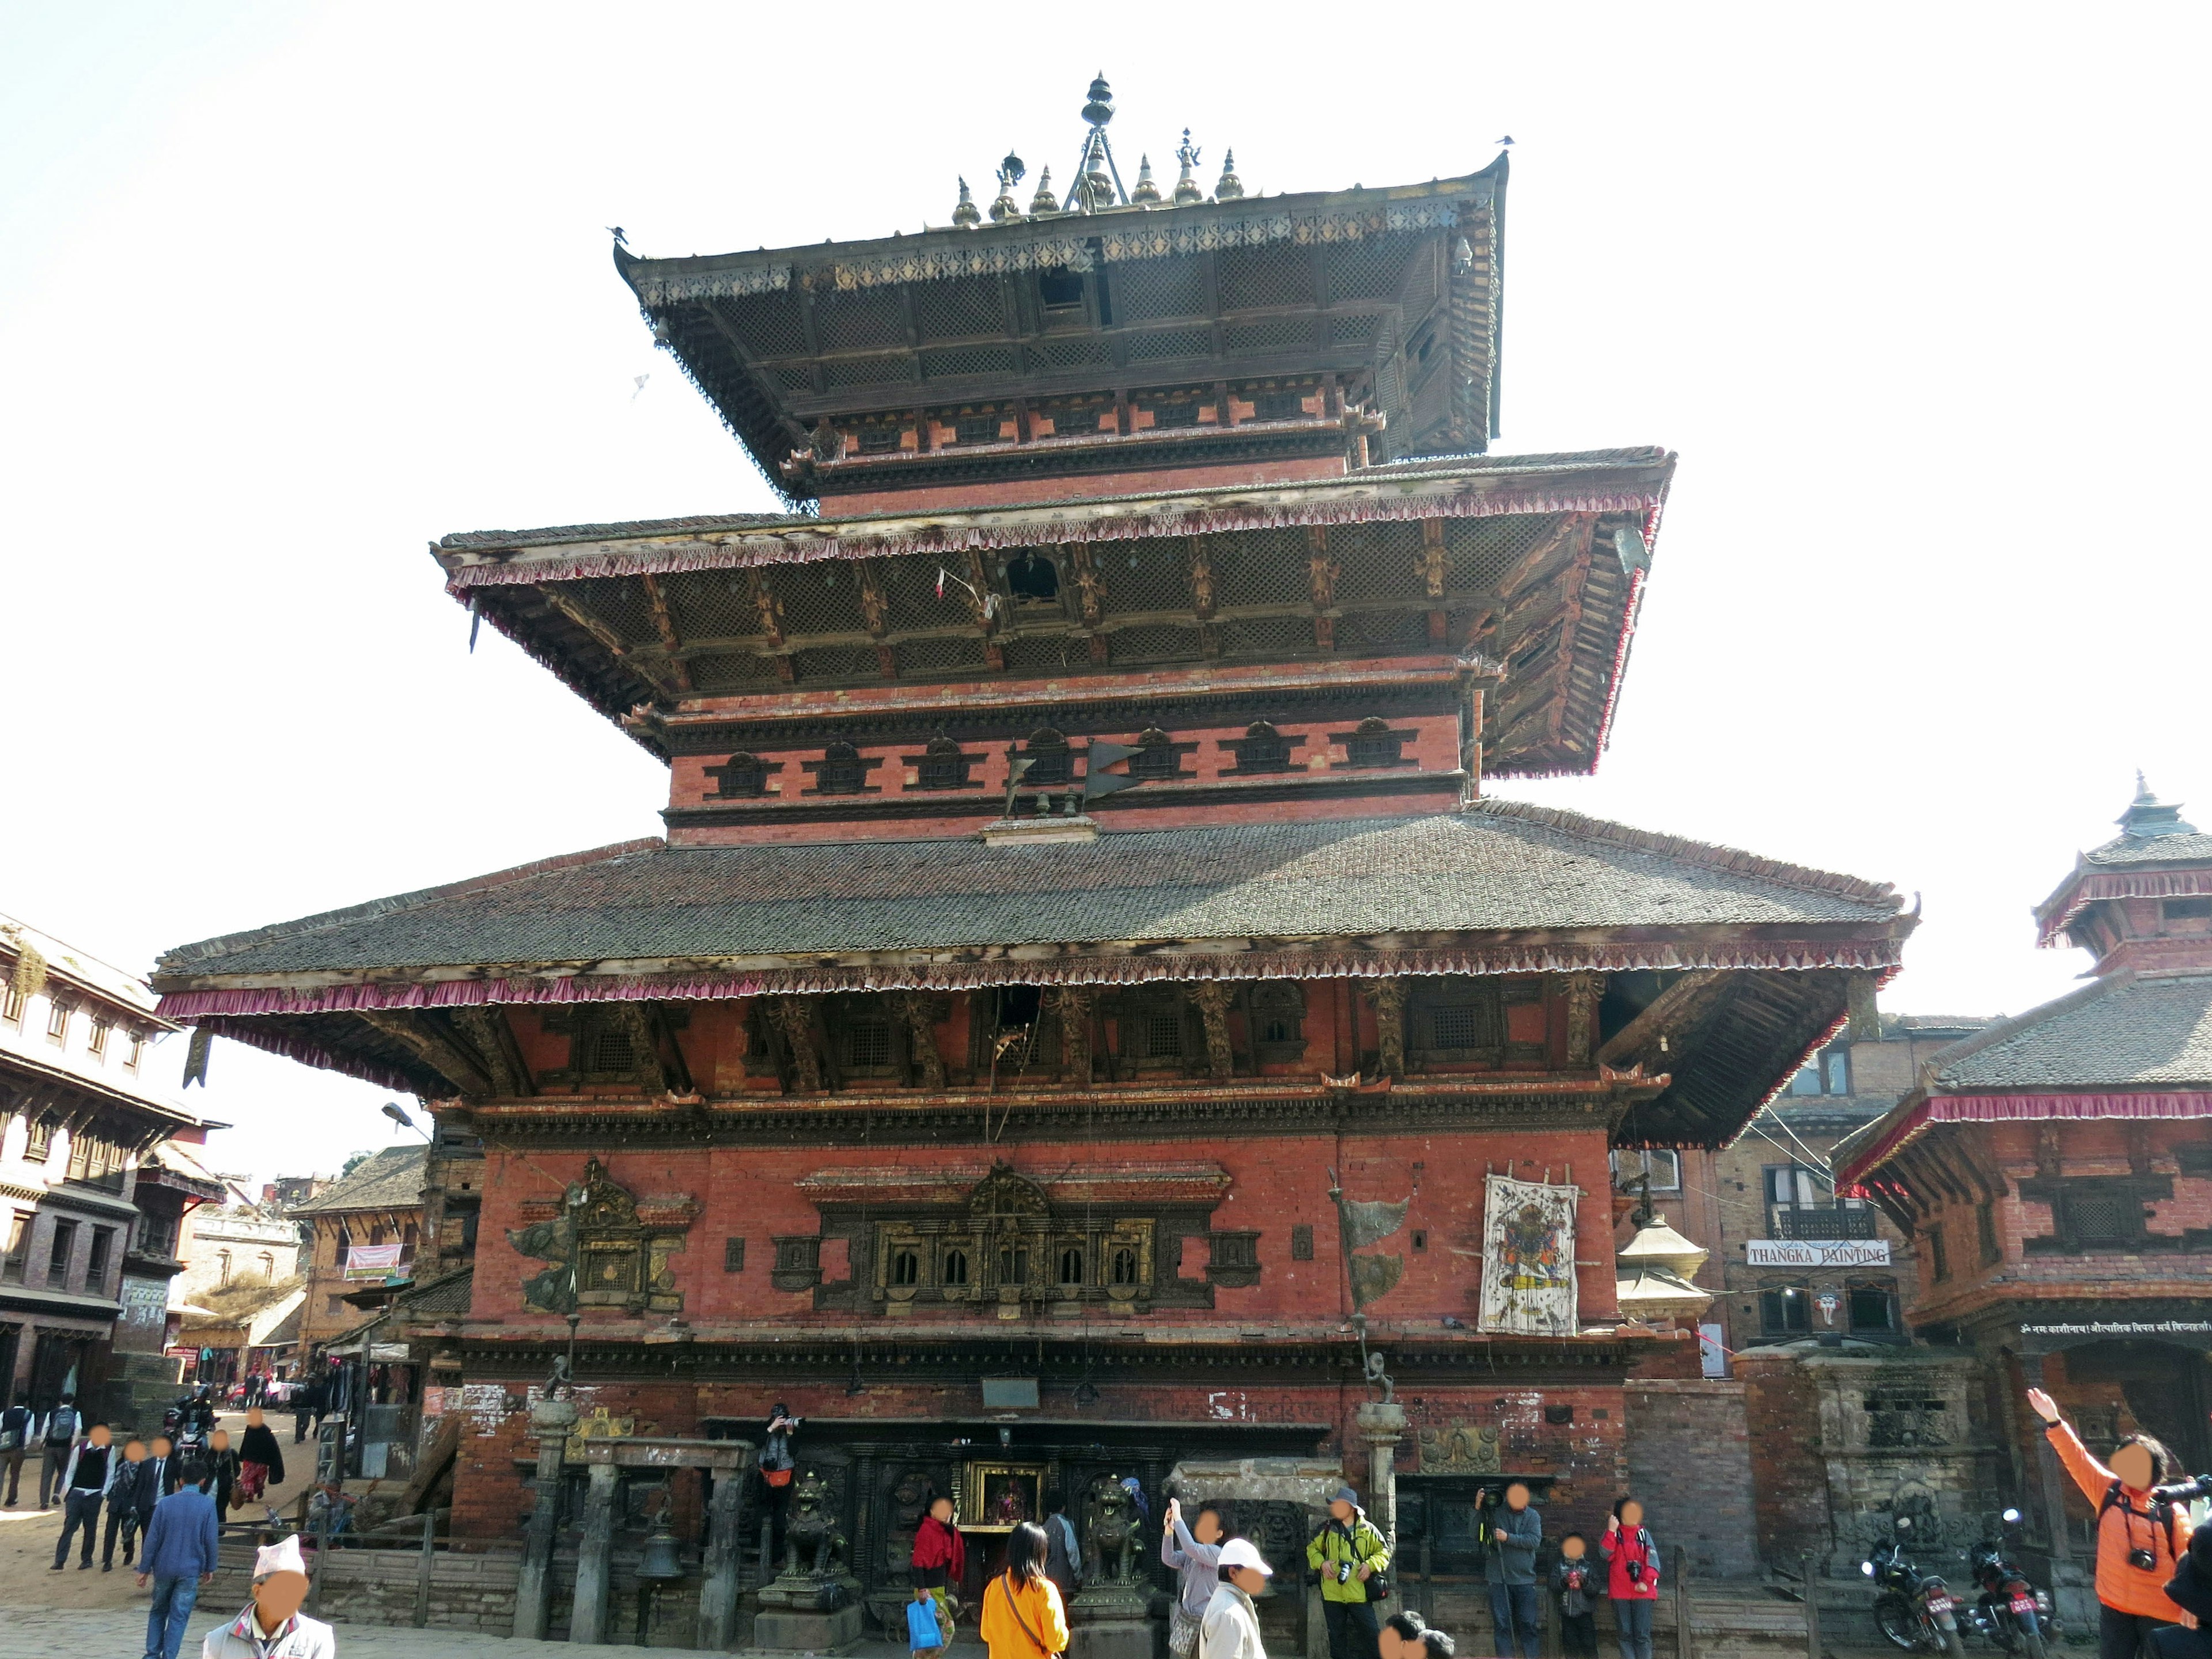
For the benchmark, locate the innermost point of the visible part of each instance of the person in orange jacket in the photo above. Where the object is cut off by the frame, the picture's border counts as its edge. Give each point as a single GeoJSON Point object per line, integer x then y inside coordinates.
{"type": "Point", "coordinates": [2139, 1539]}
{"type": "Point", "coordinates": [1023, 1617]}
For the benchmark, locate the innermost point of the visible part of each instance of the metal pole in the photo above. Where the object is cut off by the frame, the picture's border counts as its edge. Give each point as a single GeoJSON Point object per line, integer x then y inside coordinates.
{"type": "Point", "coordinates": [322, 1561]}
{"type": "Point", "coordinates": [428, 1567]}
{"type": "Point", "coordinates": [1812, 1612]}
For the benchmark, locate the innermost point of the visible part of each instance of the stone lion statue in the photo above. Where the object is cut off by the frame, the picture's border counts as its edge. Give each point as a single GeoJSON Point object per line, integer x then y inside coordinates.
{"type": "Point", "coordinates": [812, 1529]}
{"type": "Point", "coordinates": [1109, 1535]}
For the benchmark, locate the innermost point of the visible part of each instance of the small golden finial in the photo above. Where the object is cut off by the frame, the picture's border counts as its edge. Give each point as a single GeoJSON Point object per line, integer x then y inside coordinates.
{"type": "Point", "coordinates": [1229, 186]}
{"type": "Point", "coordinates": [1187, 190]}
{"type": "Point", "coordinates": [966, 216]}
{"type": "Point", "coordinates": [1146, 194]}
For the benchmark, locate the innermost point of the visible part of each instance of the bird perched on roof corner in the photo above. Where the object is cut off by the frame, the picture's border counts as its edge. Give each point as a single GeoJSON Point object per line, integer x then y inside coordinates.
{"type": "Point", "coordinates": [1506, 143]}
{"type": "Point", "coordinates": [615, 231]}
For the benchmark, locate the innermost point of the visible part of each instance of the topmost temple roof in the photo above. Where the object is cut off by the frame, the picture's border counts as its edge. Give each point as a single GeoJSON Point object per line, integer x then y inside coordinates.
{"type": "Point", "coordinates": [1158, 317]}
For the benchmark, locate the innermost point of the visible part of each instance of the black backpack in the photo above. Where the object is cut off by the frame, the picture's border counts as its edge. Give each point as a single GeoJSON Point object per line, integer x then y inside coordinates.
{"type": "Point", "coordinates": [61, 1427]}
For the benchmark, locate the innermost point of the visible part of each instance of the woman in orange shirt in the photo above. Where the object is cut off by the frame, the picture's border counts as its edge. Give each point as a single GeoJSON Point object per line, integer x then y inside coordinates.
{"type": "Point", "coordinates": [1023, 1617]}
{"type": "Point", "coordinates": [2139, 1539]}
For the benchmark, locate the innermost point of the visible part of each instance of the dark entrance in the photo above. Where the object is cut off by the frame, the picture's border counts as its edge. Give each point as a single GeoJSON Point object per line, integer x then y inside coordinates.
{"type": "Point", "coordinates": [2162, 1387]}
{"type": "Point", "coordinates": [58, 1367]}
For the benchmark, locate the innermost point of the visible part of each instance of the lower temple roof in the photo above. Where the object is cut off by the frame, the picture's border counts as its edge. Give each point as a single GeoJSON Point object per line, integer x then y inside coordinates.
{"type": "Point", "coordinates": [951, 912]}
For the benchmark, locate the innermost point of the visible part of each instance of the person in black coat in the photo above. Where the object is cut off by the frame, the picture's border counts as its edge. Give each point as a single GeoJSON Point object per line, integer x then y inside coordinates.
{"type": "Point", "coordinates": [261, 1460]}
{"type": "Point", "coordinates": [157, 1478]}
{"type": "Point", "coordinates": [2189, 1590]}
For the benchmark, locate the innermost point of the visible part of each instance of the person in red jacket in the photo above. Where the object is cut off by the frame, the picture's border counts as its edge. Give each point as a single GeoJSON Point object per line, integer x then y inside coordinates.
{"type": "Point", "coordinates": [1631, 1566]}
{"type": "Point", "coordinates": [940, 1559]}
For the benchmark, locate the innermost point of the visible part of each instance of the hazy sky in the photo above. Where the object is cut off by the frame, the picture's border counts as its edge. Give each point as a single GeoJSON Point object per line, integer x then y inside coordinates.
{"type": "Point", "coordinates": [287, 291]}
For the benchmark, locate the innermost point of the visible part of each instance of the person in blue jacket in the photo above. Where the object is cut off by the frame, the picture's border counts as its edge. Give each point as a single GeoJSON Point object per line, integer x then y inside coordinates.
{"type": "Point", "coordinates": [178, 1555]}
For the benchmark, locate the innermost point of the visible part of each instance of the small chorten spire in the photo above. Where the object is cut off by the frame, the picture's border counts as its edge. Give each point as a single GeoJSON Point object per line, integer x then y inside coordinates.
{"type": "Point", "coordinates": [1229, 186]}
{"type": "Point", "coordinates": [2148, 817]}
{"type": "Point", "coordinates": [966, 216]}
{"type": "Point", "coordinates": [1044, 204]}
{"type": "Point", "coordinates": [1187, 190]}
{"type": "Point", "coordinates": [1097, 191]}
{"type": "Point", "coordinates": [1146, 194]}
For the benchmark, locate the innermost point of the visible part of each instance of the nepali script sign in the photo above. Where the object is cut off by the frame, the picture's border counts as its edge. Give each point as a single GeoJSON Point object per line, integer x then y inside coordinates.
{"type": "Point", "coordinates": [1816, 1252]}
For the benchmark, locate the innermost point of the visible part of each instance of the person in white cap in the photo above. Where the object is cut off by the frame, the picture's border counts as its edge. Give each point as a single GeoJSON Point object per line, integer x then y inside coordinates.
{"type": "Point", "coordinates": [273, 1627]}
{"type": "Point", "coordinates": [1230, 1629]}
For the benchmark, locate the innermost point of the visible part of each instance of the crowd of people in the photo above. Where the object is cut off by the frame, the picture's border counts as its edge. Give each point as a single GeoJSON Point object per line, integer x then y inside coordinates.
{"type": "Point", "coordinates": [1211, 1614]}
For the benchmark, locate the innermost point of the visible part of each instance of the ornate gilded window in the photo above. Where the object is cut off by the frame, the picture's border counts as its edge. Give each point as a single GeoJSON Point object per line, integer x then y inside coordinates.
{"type": "Point", "coordinates": [1005, 1247]}
{"type": "Point", "coordinates": [601, 1252]}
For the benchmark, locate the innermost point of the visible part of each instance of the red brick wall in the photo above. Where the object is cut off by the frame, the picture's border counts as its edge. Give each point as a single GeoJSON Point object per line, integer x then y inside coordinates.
{"type": "Point", "coordinates": [1689, 1460]}
{"type": "Point", "coordinates": [1790, 1483]}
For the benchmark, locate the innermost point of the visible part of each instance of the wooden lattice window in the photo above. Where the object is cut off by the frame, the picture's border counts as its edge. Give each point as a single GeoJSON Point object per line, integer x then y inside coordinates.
{"type": "Point", "coordinates": [1050, 760]}
{"type": "Point", "coordinates": [1156, 756]}
{"type": "Point", "coordinates": [976, 430]}
{"type": "Point", "coordinates": [1278, 1016]}
{"type": "Point", "coordinates": [1070, 1265]}
{"type": "Point", "coordinates": [1280, 406]}
{"type": "Point", "coordinates": [733, 1256]}
{"type": "Point", "coordinates": [942, 766]}
{"type": "Point", "coordinates": [841, 772]}
{"type": "Point", "coordinates": [955, 1269]}
{"type": "Point", "coordinates": [1233, 1259]}
{"type": "Point", "coordinates": [1455, 1021]}
{"type": "Point", "coordinates": [1372, 743]}
{"type": "Point", "coordinates": [879, 440]}
{"type": "Point", "coordinates": [738, 778]}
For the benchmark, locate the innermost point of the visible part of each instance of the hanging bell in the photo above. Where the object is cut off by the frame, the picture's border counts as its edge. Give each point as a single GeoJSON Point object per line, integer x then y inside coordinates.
{"type": "Point", "coordinates": [660, 1560]}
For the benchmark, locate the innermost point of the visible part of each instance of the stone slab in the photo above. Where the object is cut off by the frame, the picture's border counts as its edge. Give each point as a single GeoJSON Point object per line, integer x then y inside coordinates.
{"type": "Point", "coordinates": [1110, 1639]}
{"type": "Point", "coordinates": [810, 1632]}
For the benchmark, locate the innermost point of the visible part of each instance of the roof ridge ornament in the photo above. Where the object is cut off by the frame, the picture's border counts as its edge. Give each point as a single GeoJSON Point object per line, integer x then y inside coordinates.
{"type": "Point", "coordinates": [1187, 190]}
{"type": "Point", "coordinates": [1006, 208]}
{"type": "Point", "coordinates": [966, 216]}
{"type": "Point", "coordinates": [1098, 179]}
{"type": "Point", "coordinates": [2148, 817]}
{"type": "Point", "coordinates": [1146, 194]}
{"type": "Point", "coordinates": [1044, 205]}
{"type": "Point", "coordinates": [1229, 188]}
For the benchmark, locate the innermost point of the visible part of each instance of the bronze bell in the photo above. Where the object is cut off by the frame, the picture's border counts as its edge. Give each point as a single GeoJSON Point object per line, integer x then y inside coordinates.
{"type": "Point", "coordinates": [660, 1560]}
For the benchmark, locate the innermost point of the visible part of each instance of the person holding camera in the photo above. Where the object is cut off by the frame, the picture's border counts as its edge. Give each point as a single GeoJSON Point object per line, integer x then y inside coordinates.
{"type": "Point", "coordinates": [2139, 1533]}
{"type": "Point", "coordinates": [1347, 1552]}
{"type": "Point", "coordinates": [1575, 1582]}
{"type": "Point", "coordinates": [1632, 1569]}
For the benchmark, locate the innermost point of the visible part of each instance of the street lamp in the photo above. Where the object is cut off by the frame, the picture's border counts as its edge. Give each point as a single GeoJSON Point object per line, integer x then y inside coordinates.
{"type": "Point", "coordinates": [393, 1110]}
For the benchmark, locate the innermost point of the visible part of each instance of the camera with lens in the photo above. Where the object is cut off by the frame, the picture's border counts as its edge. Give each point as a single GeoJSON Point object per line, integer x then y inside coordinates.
{"type": "Point", "coordinates": [1635, 1572]}
{"type": "Point", "coordinates": [2142, 1560]}
{"type": "Point", "coordinates": [2183, 1491]}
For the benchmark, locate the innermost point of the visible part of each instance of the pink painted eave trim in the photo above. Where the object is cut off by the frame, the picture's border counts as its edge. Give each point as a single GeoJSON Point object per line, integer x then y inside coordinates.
{"type": "Point", "coordinates": [747, 549]}
{"type": "Point", "coordinates": [191, 1006]}
{"type": "Point", "coordinates": [2023, 1108]}
{"type": "Point", "coordinates": [2117, 885]}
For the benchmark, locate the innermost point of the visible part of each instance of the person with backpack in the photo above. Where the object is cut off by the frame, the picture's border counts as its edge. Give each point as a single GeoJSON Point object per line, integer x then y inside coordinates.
{"type": "Point", "coordinates": [1516, 1532]}
{"type": "Point", "coordinates": [1022, 1616]}
{"type": "Point", "coordinates": [1347, 1552]}
{"type": "Point", "coordinates": [58, 1441]}
{"type": "Point", "coordinates": [1631, 1566]}
{"type": "Point", "coordinates": [2140, 1539]}
{"type": "Point", "coordinates": [19, 1426]}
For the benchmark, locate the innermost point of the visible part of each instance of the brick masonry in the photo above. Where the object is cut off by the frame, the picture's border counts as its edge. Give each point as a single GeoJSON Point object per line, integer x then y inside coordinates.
{"type": "Point", "coordinates": [1688, 1450]}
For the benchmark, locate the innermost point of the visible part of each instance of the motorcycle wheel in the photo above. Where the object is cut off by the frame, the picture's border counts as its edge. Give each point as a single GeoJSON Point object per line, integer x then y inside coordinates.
{"type": "Point", "coordinates": [2031, 1638]}
{"type": "Point", "coordinates": [1953, 1643]}
{"type": "Point", "coordinates": [1896, 1622]}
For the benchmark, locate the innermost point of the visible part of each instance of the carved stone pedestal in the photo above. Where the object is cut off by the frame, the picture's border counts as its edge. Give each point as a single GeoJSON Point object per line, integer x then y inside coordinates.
{"type": "Point", "coordinates": [787, 1631]}
{"type": "Point", "coordinates": [1110, 1639]}
{"type": "Point", "coordinates": [802, 1592]}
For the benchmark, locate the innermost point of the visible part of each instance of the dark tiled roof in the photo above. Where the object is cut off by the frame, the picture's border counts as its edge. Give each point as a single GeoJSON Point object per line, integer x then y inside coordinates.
{"type": "Point", "coordinates": [448, 1295]}
{"type": "Point", "coordinates": [701, 524]}
{"type": "Point", "coordinates": [2152, 849]}
{"type": "Point", "coordinates": [1500, 866]}
{"type": "Point", "coordinates": [2123, 1031]}
{"type": "Point", "coordinates": [388, 1180]}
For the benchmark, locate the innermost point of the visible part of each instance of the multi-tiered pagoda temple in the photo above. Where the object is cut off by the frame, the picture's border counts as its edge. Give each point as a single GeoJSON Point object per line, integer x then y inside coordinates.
{"type": "Point", "coordinates": [1077, 865]}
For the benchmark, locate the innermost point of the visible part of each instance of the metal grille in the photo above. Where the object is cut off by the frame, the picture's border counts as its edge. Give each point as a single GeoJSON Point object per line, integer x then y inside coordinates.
{"type": "Point", "coordinates": [1465, 1025]}
{"type": "Point", "coordinates": [768, 323]}
{"type": "Point", "coordinates": [819, 599]}
{"type": "Point", "coordinates": [1370, 270]}
{"type": "Point", "coordinates": [839, 662]}
{"type": "Point", "coordinates": [1483, 550]}
{"type": "Point", "coordinates": [1156, 579]}
{"type": "Point", "coordinates": [1376, 560]}
{"type": "Point", "coordinates": [612, 1052]}
{"type": "Point", "coordinates": [968, 360]}
{"type": "Point", "coordinates": [734, 671]}
{"type": "Point", "coordinates": [1155, 644]}
{"type": "Point", "coordinates": [1260, 567]}
{"type": "Point", "coordinates": [1266, 637]}
{"type": "Point", "coordinates": [1162, 1035]}
{"type": "Point", "coordinates": [1280, 334]}
{"type": "Point", "coordinates": [1825, 1223]}
{"type": "Point", "coordinates": [865, 317]}
{"type": "Point", "coordinates": [1082, 352]}
{"type": "Point", "coordinates": [1171, 343]}
{"type": "Point", "coordinates": [712, 606]}
{"type": "Point", "coordinates": [1159, 287]}
{"type": "Point", "coordinates": [1279, 275]}
{"type": "Point", "coordinates": [864, 371]}
{"type": "Point", "coordinates": [938, 656]}
{"type": "Point", "coordinates": [954, 310]}
{"type": "Point", "coordinates": [1353, 330]}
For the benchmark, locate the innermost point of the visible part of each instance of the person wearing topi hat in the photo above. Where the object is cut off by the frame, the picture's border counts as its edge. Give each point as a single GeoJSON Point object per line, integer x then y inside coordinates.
{"type": "Point", "coordinates": [1230, 1629]}
{"type": "Point", "coordinates": [273, 1627]}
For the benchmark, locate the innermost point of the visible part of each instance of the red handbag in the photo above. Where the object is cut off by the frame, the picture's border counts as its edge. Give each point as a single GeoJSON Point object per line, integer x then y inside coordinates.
{"type": "Point", "coordinates": [776, 1477]}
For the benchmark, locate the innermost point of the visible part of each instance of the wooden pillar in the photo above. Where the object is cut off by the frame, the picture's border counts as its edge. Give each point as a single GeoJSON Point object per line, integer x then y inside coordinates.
{"type": "Point", "coordinates": [2054, 1477]}
{"type": "Point", "coordinates": [551, 1420]}
{"type": "Point", "coordinates": [595, 1559]}
{"type": "Point", "coordinates": [718, 1592]}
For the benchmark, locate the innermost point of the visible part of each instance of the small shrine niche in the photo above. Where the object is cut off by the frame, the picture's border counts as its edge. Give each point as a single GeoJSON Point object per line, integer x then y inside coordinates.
{"type": "Point", "coordinates": [604, 1247]}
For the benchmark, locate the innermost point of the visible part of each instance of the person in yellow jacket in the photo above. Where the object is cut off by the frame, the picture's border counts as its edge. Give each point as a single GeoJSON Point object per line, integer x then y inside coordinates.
{"type": "Point", "coordinates": [1023, 1617]}
{"type": "Point", "coordinates": [1347, 1552]}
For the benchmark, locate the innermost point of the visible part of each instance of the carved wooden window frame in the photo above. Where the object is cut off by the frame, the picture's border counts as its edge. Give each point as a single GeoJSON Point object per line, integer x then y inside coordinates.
{"type": "Point", "coordinates": [744, 776]}
{"type": "Point", "coordinates": [1273, 1002]}
{"type": "Point", "coordinates": [1264, 748]}
{"type": "Point", "coordinates": [1374, 746]}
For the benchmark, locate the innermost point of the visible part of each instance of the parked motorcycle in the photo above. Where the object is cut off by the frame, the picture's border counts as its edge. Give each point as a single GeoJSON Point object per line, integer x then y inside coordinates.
{"type": "Point", "coordinates": [2009, 1612]}
{"type": "Point", "coordinates": [1914, 1610]}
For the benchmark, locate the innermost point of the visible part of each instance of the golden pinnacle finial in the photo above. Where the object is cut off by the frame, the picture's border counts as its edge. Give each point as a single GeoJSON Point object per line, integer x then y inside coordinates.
{"type": "Point", "coordinates": [966, 214]}
{"type": "Point", "coordinates": [1146, 194]}
{"type": "Point", "coordinates": [1229, 186]}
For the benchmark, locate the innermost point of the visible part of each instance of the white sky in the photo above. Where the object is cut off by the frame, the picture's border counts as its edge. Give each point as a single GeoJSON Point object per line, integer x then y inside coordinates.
{"type": "Point", "coordinates": [286, 291]}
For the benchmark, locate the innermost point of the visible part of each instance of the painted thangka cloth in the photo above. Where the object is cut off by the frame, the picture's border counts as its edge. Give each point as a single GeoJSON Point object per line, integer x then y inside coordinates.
{"type": "Point", "coordinates": [1529, 1258]}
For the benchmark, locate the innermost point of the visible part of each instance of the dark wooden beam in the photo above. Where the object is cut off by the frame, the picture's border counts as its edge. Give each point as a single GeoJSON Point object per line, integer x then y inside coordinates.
{"type": "Point", "coordinates": [412, 1030]}
{"type": "Point", "coordinates": [663, 623]}
{"type": "Point", "coordinates": [1677, 1013]}
{"type": "Point", "coordinates": [611, 641]}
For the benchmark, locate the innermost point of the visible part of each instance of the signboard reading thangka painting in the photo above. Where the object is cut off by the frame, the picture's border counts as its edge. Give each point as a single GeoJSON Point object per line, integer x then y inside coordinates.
{"type": "Point", "coordinates": [1529, 1258]}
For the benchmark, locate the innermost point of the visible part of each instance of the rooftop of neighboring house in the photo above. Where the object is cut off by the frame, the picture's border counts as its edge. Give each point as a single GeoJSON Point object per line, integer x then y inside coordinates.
{"type": "Point", "coordinates": [67, 1016]}
{"type": "Point", "coordinates": [391, 1179]}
